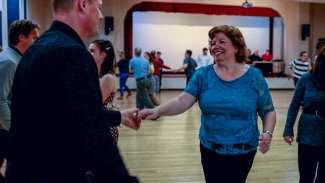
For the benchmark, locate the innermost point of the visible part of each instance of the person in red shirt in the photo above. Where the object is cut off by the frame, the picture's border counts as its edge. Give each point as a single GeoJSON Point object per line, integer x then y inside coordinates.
{"type": "Point", "coordinates": [157, 73]}
{"type": "Point", "coordinates": [267, 56]}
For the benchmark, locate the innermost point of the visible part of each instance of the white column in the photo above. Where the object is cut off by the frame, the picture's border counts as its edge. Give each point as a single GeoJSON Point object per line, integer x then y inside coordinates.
{"type": "Point", "coordinates": [4, 23]}
{"type": "Point", "coordinates": [21, 9]}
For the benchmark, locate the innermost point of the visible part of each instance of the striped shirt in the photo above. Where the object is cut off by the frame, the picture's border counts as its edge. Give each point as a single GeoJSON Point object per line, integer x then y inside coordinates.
{"type": "Point", "coordinates": [300, 67]}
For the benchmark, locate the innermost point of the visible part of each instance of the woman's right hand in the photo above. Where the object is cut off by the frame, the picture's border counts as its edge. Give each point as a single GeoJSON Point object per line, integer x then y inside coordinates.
{"type": "Point", "coordinates": [288, 139]}
{"type": "Point", "coordinates": [148, 114]}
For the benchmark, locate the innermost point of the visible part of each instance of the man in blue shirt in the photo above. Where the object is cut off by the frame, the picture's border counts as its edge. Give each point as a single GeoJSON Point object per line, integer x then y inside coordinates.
{"type": "Point", "coordinates": [139, 66]}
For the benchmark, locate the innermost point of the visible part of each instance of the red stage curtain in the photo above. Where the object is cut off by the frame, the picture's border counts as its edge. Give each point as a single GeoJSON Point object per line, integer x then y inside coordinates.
{"type": "Point", "coordinates": [207, 9]}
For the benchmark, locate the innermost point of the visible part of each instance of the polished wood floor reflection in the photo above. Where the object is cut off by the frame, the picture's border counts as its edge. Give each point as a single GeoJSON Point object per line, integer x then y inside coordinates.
{"type": "Point", "coordinates": [167, 150]}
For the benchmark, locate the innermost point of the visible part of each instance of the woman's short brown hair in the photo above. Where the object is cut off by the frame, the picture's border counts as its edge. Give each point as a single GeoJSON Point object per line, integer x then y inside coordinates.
{"type": "Point", "coordinates": [236, 38]}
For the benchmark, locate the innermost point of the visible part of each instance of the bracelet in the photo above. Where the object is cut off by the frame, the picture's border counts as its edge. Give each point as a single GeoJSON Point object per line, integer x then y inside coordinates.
{"type": "Point", "coordinates": [266, 131]}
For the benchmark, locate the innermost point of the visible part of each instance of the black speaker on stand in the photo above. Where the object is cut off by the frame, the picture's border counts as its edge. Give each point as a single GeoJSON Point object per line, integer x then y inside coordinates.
{"type": "Point", "coordinates": [305, 31]}
{"type": "Point", "coordinates": [109, 24]}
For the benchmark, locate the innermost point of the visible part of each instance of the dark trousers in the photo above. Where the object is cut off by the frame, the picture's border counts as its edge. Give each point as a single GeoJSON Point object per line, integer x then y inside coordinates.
{"type": "Point", "coordinates": [225, 168]}
{"type": "Point", "coordinates": [19, 175]}
{"type": "Point", "coordinates": [123, 78]}
{"type": "Point", "coordinates": [4, 137]}
{"type": "Point", "coordinates": [83, 179]}
{"type": "Point", "coordinates": [188, 80]}
{"type": "Point", "coordinates": [295, 80]}
{"type": "Point", "coordinates": [160, 77]}
{"type": "Point", "coordinates": [308, 158]}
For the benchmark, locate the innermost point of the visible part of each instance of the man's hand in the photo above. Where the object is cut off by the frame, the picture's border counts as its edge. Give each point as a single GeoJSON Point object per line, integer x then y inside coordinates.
{"type": "Point", "coordinates": [131, 119]}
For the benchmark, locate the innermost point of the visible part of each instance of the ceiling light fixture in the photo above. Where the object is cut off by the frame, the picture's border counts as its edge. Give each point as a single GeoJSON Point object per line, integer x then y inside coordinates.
{"type": "Point", "coordinates": [247, 4]}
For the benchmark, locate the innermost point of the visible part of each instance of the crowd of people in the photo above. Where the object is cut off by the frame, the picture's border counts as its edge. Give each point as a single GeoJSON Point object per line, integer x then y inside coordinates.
{"type": "Point", "coordinates": [267, 56]}
{"type": "Point", "coordinates": [69, 130]}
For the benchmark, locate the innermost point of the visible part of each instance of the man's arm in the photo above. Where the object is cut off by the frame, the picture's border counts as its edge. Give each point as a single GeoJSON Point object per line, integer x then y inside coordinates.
{"type": "Point", "coordinates": [181, 68]}
{"type": "Point", "coordinates": [310, 67]}
{"type": "Point", "coordinates": [198, 61]}
{"type": "Point", "coordinates": [185, 65]}
{"type": "Point", "coordinates": [83, 98]}
{"type": "Point", "coordinates": [131, 67]}
{"type": "Point", "coordinates": [7, 73]}
{"type": "Point", "coordinates": [291, 65]}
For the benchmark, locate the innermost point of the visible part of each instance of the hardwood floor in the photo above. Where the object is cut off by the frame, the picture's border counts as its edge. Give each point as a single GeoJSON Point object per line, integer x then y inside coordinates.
{"type": "Point", "coordinates": [167, 150]}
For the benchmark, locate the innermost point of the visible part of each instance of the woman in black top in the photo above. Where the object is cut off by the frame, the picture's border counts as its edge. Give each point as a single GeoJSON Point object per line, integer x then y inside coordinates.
{"type": "Point", "coordinates": [123, 66]}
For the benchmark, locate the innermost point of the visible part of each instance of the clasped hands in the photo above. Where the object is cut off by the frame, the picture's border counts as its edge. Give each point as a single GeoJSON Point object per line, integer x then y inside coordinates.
{"type": "Point", "coordinates": [131, 119]}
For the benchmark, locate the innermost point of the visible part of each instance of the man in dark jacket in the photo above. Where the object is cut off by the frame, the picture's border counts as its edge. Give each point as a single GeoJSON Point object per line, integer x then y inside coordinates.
{"type": "Point", "coordinates": [59, 128]}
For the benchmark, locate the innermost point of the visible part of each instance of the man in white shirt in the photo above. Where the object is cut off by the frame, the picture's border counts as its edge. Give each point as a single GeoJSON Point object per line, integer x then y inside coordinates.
{"type": "Point", "coordinates": [300, 66]}
{"type": "Point", "coordinates": [204, 59]}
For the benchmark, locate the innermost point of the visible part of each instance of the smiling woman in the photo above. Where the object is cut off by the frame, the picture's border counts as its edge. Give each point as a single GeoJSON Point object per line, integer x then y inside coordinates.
{"type": "Point", "coordinates": [228, 36]}
{"type": "Point", "coordinates": [230, 95]}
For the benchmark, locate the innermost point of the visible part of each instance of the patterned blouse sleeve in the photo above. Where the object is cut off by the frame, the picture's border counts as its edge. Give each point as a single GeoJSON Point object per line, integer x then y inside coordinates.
{"type": "Point", "coordinates": [194, 86]}
{"type": "Point", "coordinates": [265, 103]}
{"type": "Point", "coordinates": [295, 106]}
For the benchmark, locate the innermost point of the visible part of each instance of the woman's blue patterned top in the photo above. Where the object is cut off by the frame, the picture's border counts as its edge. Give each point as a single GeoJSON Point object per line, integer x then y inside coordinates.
{"type": "Point", "coordinates": [229, 109]}
{"type": "Point", "coordinates": [311, 128]}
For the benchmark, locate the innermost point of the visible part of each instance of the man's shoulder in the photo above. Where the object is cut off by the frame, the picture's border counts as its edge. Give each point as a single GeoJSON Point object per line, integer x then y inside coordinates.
{"type": "Point", "coordinates": [132, 60]}
{"type": "Point", "coordinates": [55, 43]}
{"type": "Point", "coordinates": [7, 64]}
{"type": "Point", "coordinates": [9, 59]}
{"type": "Point", "coordinates": [188, 59]}
{"type": "Point", "coordinates": [54, 39]}
{"type": "Point", "coordinates": [137, 59]}
{"type": "Point", "coordinates": [9, 55]}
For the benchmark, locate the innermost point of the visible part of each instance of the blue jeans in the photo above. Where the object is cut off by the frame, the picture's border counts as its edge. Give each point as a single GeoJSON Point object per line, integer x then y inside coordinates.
{"type": "Point", "coordinates": [123, 78]}
{"type": "Point", "coordinates": [143, 100]}
{"type": "Point", "coordinates": [151, 89]}
{"type": "Point", "coordinates": [157, 83]}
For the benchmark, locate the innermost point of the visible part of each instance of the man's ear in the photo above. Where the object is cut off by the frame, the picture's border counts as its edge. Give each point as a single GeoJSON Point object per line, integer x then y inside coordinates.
{"type": "Point", "coordinates": [21, 38]}
{"type": "Point", "coordinates": [81, 4]}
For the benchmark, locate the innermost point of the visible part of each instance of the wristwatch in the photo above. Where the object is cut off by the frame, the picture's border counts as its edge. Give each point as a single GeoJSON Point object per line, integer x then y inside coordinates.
{"type": "Point", "coordinates": [271, 135]}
